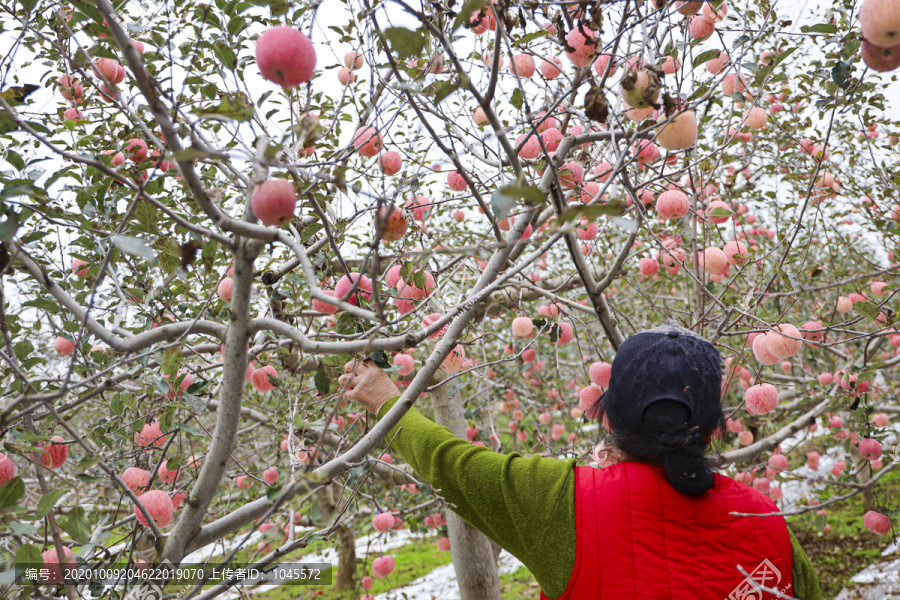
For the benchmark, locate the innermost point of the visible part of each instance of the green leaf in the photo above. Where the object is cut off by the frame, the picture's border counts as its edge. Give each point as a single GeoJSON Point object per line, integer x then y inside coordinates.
{"type": "Point", "coordinates": [840, 73]}
{"type": "Point", "coordinates": [866, 309]}
{"type": "Point", "coordinates": [272, 492]}
{"type": "Point", "coordinates": [517, 100]}
{"type": "Point", "coordinates": [11, 492]}
{"type": "Point", "coordinates": [381, 359]}
{"type": "Point", "coordinates": [442, 89]}
{"type": "Point", "coordinates": [419, 280]}
{"type": "Point", "coordinates": [47, 502]}
{"type": "Point", "coordinates": [134, 246]}
{"type": "Point", "coordinates": [232, 106]}
{"type": "Point", "coordinates": [504, 199]}
{"type": "Point", "coordinates": [43, 304]}
{"type": "Point", "coordinates": [145, 218]}
{"type": "Point", "coordinates": [322, 380]}
{"type": "Point", "coordinates": [405, 42]}
{"type": "Point", "coordinates": [529, 37]}
{"type": "Point", "coordinates": [169, 255]}
{"type": "Point", "coordinates": [77, 525]}
{"type": "Point", "coordinates": [719, 212]}
{"type": "Point", "coordinates": [820, 28]}
{"type": "Point", "coordinates": [17, 528]}
{"type": "Point", "coordinates": [171, 361]}
{"type": "Point", "coordinates": [28, 554]}
{"type": "Point", "coordinates": [614, 208]}
{"type": "Point", "coordinates": [705, 57]}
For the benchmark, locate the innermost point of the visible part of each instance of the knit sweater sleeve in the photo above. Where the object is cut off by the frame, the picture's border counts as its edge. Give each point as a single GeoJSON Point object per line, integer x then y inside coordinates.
{"type": "Point", "coordinates": [806, 583]}
{"type": "Point", "coordinates": [519, 502]}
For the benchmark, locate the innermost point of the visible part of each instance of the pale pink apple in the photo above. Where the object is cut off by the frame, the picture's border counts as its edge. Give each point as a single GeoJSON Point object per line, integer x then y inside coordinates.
{"type": "Point", "coordinates": [870, 449]}
{"type": "Point", "coordinates": [879, 21]}
{"type": "Point", "coordinates": [880, 59]}
{"type": "Point", "coordinates": [322, 306]}
{"type": "Point", "coordinates": [715, 65]}
{"type": "Point", "coordinates": [551, 138]}
{"type": "Point", "coordinates": [714, 14]}
{"type": "Point", "coordinates": [479, 117]}
{"type": "Point", "coordinates": [383, 522]}
{"type": "Point", "coordinates": [353, 60]}
{"type": "Point", "coordinates": [420, 207]}
{"type": "Point", "coordinates": [672, 204]}
{"type": "Point", "coordinates": [285, 56]}
{"type": "Point", "coordinates": [735, 253]}
{"type": "Point", "coordinates": [345, 76]}
{"type": "Point", "coordinates": [877, 286]}
{"type": "Point", "coordinates": [51, 561]}
{"type": "Point", "coordinates": [159, 505]}
{"type": "Point", "coordinates": [844, 304]}
{"type": "Point", "coordinates": [367, 141]}
{"type": "Point", "coordinates": [679, 133]}
{"type": "Point", "coordinates": [522, 65]}
{"type": "Point", "coordinates": [552, 68]}
{"type": "Point", "coordinates": [813, 332]}
{"type": "Point", "coordinates": [7, 468]}
{"type": "Point", "coordinates": [260, 379]}
{"type": "Point", "coordinates": [582, 40]}
{"type": "Point", "coordinates": [167, 476]}
{"type": "Point", "coordinates": [761, 350]}
{"type": "Point", "coordinates": [382, 566]}
{"type": "Point", "coordinates": [63, 346]}
{"type": "Point", "coordinates": [393, 223]}
{"type": "Point", "coordinates": [456, 182]}
{"type": "Point", "coordinates": [784, 341]}
{"type": "Point", "coordinates": [429, 320]}
{"type": "Point", "coordinates": [648, 266]}
{"type": "Point", "coordinates": [565, 333]}
{"type": "Point", "coordinates": [342, 288]}
{"type": "Point", "coordinates": [522, 327]}
{"type": "Point", "coordinates": [107, 68]}
{"type": "Point", "coordinates": [645, 151]}
{"type": "Point", "coordinates": [571, 175]}
{"type": "Point", "coordinates": [54, 455]}
{"type": "Point", "coordinates": [270, 475]}
{"type": "Point", "coordinates": [745, 438]}
{"type": "Point", "coordinates": [876, 522]}
{"type": "Point", "coordinates": [880, 420]}
{"type": "Point", "coordinates": [225, 289]}
{"type": "Point", "coordinates": [274, 202]}
{"type": "Point", "coordinates": [136, 479]}
{"type": "Point", "coordinates": [600, 373]}
{"type": "Point", "coordinates": [390, 162]}
{"type": "Point", "coordinates": [699, 28]}
{"type": "Point", "coordinates": [529, 146]}
{"type": "Point", "coordinates": [404, 364]}
{"type": "Point", "coordinates": [732, 83]}
{"type": "Point", "coordinates": [150, 436]}
{"type": "Point", "coordinates": [601, 63]}
{"type": "Point", "coordinates": [755, 118]}
{"type": "Point", "coordinates": [713, 260]}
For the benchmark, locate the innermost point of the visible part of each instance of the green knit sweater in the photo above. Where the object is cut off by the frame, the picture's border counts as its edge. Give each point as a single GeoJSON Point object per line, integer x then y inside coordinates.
{"type": "Point", "coordinates": [526, 505]}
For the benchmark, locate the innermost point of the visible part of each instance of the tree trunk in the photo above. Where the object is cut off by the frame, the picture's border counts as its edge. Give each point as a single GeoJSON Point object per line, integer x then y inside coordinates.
{"type": "Point", "coordinates": [345, 579]}
{"type": "Point", "coordinates": [473, 554]}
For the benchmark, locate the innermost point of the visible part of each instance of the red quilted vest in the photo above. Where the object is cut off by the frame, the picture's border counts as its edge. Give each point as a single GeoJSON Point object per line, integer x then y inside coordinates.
{"type": "Point", "coordinates": [638, 537]}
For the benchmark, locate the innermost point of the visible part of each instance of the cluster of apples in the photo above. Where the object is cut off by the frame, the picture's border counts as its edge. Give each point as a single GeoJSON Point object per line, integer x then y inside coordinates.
{"type": "Point", "coordinates": [879, 21]}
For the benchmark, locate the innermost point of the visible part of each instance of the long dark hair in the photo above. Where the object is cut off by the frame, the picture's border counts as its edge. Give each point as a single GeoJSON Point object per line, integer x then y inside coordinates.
{"type": "Point", "coordinates": [666, 440]}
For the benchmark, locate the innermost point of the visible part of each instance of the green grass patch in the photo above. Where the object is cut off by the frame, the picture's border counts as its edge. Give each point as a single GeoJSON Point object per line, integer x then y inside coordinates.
{"type": "Point", "coordinates": [849, 547]}
{"type": "Point", "coordinates": [519, 585]}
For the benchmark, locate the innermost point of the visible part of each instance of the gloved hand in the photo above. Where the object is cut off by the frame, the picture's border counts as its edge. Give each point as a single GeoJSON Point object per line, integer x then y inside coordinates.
{"type": "Point", "coordinates": [367, 384]}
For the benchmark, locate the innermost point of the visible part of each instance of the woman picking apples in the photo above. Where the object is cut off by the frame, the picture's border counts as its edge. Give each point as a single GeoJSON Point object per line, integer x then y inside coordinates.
{"type": "Point", "coordinates": [658, 524]}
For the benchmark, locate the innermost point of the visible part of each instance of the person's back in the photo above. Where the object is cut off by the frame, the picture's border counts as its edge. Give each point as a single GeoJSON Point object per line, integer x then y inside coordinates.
{"type": "Point", "coordinates": [657, 525]}
{"type": "Point", "coordinates": [675, 546]}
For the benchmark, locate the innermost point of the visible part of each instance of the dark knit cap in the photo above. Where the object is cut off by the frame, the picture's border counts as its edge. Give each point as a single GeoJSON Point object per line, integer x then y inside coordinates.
{"type": "Point", "coordinates": [664, 397]}
{"type": "Point", "coordinates": [666, 362]}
